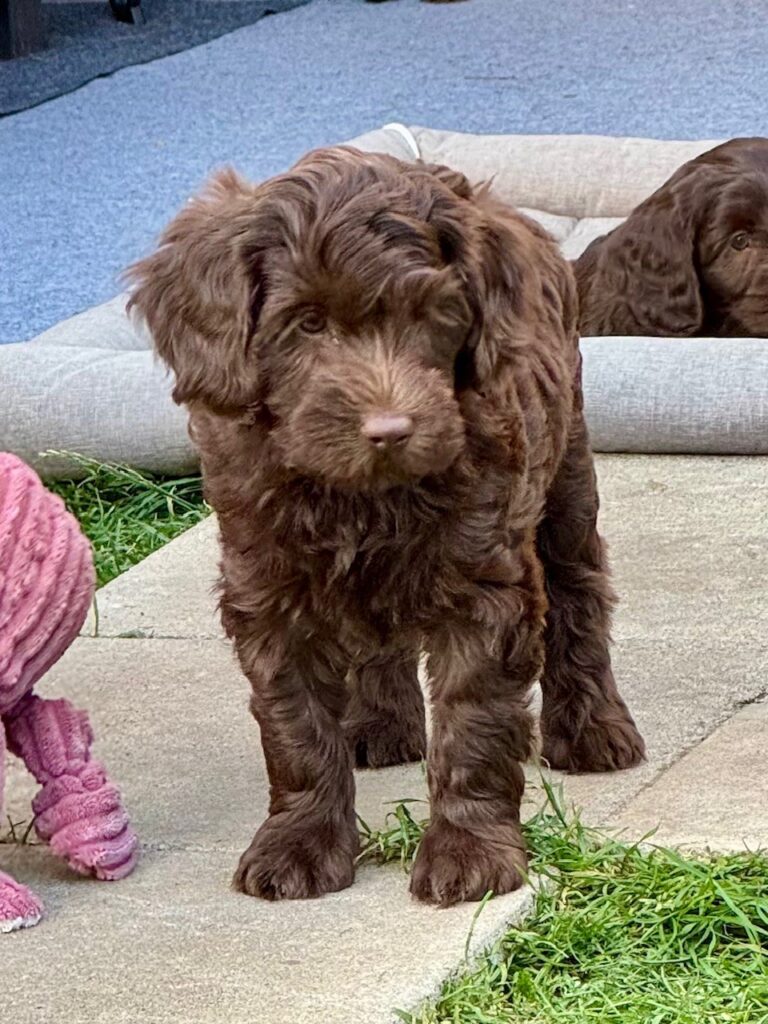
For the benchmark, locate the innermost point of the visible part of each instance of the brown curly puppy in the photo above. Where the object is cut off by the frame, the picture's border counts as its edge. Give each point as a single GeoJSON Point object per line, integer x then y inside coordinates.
{"type": "Point", "coordinates": [692, 259]}
{"type": "Point", "coordinates": [382, 375]}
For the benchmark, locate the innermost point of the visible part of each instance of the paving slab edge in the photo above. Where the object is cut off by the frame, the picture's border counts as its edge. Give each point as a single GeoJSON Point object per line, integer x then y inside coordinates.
{"type": "Point", "coordinates": [478, 945]}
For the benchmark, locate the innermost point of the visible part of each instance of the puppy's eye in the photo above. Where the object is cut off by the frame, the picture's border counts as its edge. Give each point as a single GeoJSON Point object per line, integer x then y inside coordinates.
{"type": "Point", "coordinates": [740, 240]}
{"type": "Point", "coordinates": [314, 321]}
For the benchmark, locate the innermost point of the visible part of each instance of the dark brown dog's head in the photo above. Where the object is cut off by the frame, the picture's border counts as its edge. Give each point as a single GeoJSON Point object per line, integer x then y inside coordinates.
{"type": "Point", "coordinates": [692, 259]}
{"type": "Point", "coordinates": [340, 302]}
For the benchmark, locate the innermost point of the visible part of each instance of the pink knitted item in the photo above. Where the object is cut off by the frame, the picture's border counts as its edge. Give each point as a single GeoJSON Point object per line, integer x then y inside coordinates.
{"type": "Point", "coordinates": [46, 580]}
{"type": "Point", "coordinates": [19, 907]}
{"type": "Point", "coordinates": [46, 586]}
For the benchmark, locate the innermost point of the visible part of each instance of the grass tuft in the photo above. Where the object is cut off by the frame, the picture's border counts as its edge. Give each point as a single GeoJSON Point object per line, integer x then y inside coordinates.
{"type": "Point", "coordinates": [620, 934]}
{"type": "Point", "coordinates": [127, 514]}
{"type": "Point", "coordinates": [19, 833]}
{"type": "Point", "coordinates": [398, 840]}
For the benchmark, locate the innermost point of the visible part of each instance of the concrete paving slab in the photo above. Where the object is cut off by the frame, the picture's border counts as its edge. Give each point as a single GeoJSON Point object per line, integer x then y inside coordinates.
{"type": "Point", "coordinates": [174, 945]}
{"type": "Point", "coordinates": [687, 542]}
{"type": "Point", "coordinates": [716, 796]}
{"type": "Point", "coordinates": [169, 594]}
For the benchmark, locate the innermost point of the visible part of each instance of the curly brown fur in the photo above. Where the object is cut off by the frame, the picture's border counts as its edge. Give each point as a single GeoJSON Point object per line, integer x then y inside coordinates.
{"type": "Point", "coordinates": [692, 259]}
{"type": "Point", "coordinates": [382, 375]}
{"type": "Point", "coordinates": [384, 719]}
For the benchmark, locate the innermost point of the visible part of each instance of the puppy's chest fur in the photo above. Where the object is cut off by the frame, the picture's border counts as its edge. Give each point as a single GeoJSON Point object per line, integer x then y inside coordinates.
{"type": "Point", "coordinates": [374, 569]}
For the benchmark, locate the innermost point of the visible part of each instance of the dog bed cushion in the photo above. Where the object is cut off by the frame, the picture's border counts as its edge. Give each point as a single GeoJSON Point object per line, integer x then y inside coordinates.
{"type": "Point", "coordinates": [90, 384]}
{"type": "Point", "coordinates": [680, 396]}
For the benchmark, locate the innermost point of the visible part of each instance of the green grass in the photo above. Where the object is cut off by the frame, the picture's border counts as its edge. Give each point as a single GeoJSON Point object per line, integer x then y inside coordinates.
{"type": "Point", "coordinates": [127, 514]}
{"type": "Point", "coordinates": [619, 935]}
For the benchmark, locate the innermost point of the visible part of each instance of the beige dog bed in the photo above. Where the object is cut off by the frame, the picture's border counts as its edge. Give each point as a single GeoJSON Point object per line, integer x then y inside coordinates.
{"type": "Point", "coordinates": [90, 383]}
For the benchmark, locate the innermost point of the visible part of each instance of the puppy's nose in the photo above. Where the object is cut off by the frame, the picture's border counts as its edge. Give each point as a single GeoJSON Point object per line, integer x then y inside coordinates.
{"type": "Point", "coordinates": [387, 429]}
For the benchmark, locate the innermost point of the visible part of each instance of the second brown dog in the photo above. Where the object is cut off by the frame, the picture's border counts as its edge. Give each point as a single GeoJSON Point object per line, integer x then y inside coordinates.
{"type": "Point", "coordinates": [692, 259]}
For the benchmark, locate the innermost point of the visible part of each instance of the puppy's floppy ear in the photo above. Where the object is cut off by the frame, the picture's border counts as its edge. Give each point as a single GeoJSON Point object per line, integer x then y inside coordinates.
{"type": "Point", "coordinates": [201, 291]}
{"type": "Point", "coordinates": [642, 277]}
{"type": "Point", "coordinates": [521, 286]}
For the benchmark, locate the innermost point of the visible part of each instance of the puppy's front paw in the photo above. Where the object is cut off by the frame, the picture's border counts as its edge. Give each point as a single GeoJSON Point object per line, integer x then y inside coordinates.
{"type": "Point", "coordinates": [605, 740]}
{"type": "Point", "coordinates": [285, 863]}
{"type": "Point", "coordinates": [381, 744]}
{"type": "Point", "coordinates": [454, 865]}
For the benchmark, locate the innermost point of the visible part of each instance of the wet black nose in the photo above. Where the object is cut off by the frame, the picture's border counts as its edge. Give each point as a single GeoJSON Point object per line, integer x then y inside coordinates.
{"type": "Point", "coordinates": [387, 429]}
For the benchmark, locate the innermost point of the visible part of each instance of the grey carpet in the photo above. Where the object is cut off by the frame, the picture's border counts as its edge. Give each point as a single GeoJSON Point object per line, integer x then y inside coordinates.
{"type": "Point", "coordinates": [87, 180]}
{"type": "Point", "coordinates": [85, 42]}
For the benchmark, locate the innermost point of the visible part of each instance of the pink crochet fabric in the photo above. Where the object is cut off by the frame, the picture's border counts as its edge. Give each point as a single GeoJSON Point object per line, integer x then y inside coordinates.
{"type": "Point", "coordinates": [46, 586]}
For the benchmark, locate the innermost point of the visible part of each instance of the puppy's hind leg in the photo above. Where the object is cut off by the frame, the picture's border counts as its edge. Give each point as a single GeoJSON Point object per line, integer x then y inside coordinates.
{"type": "Point", "coordinates": [585, 724]}
{"type": "Point", "coordinates": [384, 723]}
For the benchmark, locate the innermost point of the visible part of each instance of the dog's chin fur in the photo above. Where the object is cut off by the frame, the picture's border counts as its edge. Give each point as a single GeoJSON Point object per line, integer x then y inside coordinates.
{"type": "Point", "coordinates": [355, 286]}
{"type": "Point", "coordinates": [384, 474]}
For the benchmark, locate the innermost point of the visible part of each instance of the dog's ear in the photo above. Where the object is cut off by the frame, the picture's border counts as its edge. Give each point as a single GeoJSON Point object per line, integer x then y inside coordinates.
{"type": "Point", "coordinates": [519, 284]}
{"type": "Point", "coordinates": [642, 278]}
{"type": "Point", "coordinates": [201, 291]}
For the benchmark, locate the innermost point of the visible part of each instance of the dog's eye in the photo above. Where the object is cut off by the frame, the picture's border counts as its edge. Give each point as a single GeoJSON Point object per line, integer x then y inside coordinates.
{"type": "Point", "coordinates": [314, 321]}
{"type": "Point", "coordinates": [740, 240]}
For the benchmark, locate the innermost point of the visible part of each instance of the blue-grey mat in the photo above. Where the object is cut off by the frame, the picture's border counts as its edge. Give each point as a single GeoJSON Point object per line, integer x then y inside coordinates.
{"type": "Point", "coordinates": [89, 178]}
{"type": "Point", "coordinates": [85, 41]}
